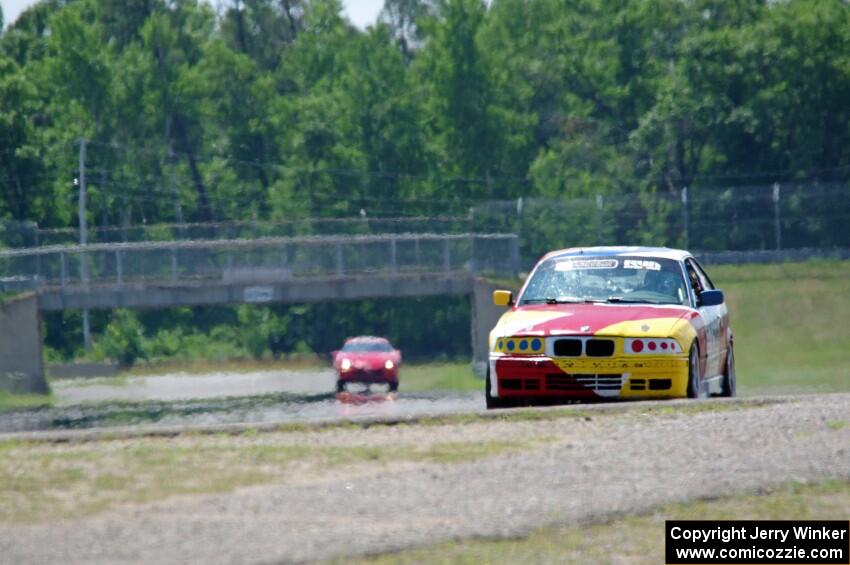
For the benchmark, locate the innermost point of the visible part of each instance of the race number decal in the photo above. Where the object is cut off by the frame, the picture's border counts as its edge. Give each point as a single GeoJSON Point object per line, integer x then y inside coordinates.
{"type": "Point", "coordinates": [639, 264]}
{"type": "Point", "coordinates": [576, 264]}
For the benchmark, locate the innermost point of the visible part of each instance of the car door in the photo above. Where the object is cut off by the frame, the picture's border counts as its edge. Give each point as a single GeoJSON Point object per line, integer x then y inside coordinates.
{"type": "Point", "coordinates": [713, 317]}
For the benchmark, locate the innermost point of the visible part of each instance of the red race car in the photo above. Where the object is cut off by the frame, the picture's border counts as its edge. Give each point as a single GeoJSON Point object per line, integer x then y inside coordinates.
{"type": "Point", "coordinates": [367, 360]}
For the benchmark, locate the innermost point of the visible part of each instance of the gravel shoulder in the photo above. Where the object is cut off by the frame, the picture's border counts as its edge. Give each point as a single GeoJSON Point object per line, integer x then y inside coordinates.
{"type": "Point", "coordinates": [569, 470]}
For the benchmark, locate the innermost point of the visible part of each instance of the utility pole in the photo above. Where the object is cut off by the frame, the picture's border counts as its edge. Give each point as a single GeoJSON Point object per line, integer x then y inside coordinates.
{"type": "Point", "coordinates": [84, 268]}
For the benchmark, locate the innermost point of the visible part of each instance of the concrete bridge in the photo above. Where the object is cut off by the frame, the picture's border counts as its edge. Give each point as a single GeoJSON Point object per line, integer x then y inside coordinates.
{"type": "Point", "coordinates": [265, 270]}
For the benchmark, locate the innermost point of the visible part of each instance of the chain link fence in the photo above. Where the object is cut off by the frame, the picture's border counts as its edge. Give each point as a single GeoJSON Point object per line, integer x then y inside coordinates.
{"type": "Point", "coordinates": [259, 260]}
{"type": "Point", "coordinates": [786, 216]}
{"type": "Point", "coordinates": [754, 218]}
{"type": "Point", "coordinates": [19, 234]}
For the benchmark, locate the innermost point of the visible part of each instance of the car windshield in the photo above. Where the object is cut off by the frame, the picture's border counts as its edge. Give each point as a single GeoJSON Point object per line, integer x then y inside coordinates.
{"type": "Point", "coordinates": [626, 279]}
{"type": "Point", "coordinates": [367, 346]}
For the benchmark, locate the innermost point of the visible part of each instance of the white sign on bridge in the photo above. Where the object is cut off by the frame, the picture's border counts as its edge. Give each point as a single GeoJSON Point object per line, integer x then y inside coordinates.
{"type": "Point", "coordinates": [258, 294]}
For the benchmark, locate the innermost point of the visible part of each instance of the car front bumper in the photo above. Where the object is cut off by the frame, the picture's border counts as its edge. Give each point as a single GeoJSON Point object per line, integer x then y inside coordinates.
{"type": "Point", "coordinates": [583, 378]}
{"type": "Point", "coordinates": [364, 376]}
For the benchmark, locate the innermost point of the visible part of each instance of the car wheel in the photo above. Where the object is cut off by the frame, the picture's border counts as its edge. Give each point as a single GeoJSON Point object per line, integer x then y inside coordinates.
{"type": "Point", "coordinates": [695, 388]}
{"type": "Point", "coordinates": [494, 402]}
{"type": "Point", "coordinates": [340, 386]}
{"type": "Point", "coordinates": [393, 386]}
{"type": "Point", "coordinates": [730, 385]}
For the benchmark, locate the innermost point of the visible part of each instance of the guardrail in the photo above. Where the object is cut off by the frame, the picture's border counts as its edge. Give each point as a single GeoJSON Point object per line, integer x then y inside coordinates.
{"type": "Point", "coordinates": [247, 260]}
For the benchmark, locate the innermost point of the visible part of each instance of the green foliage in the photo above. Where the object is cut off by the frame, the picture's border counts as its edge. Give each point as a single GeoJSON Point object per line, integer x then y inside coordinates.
{"type": "Point", "coordinates": [122, 339]}
{"type": "Point", "coordinates": [269, 109]}
{"type": "Point", "coordinates": [273, 109]}
{"type": "Point", "coordinates": [436, 327]}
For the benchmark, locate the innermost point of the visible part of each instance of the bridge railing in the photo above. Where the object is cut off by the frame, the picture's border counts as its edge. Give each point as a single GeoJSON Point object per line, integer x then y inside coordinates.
{"type": "Point", "coordinates": [256, 260]}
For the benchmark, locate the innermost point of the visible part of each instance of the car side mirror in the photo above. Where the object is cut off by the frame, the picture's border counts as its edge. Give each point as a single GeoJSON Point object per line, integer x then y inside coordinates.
{"type": "Point", "coordinates": [711, 298]}
{"type": "Point", "coordinates": [503, 297]}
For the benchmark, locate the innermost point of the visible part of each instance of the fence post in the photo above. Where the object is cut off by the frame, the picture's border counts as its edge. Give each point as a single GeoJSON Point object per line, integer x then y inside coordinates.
{"type": "Point", "coordinates": [173, 264]}
{"type": "Point", "coordinates": [119, 267]}
{"type": "Point", "coordinates": [600, 202]}
{"type": "Point", "coordinates": [393, 262]}
{"type": "Point", "coordinates": [515, 257]}
{"type": "Point", "coordinates": [685, 215]}
{"type": "Point", "coordinates": [447, 257]}
{"type": "Point", "coordinates": [63, 270]}
{"type": "Point", "coordinates": [777, 217]}
{"type": "Point", "coordinates": [520, 205]}
{"type": "Point", "coordinates": [37, 259]}
{"type": "Point", "coordinates": [284, 260]}
{"type": "Point", "coordinates": [340, 266]}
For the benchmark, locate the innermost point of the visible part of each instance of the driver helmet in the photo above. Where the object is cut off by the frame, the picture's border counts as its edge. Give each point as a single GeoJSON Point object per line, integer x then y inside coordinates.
{"type": "Point", "coordinates": [664, 282]}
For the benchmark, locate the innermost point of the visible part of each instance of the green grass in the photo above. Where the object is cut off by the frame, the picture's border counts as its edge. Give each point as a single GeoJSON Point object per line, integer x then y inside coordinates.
{"type": "Point", "coordinates": [791, 323]}
{"type": "Point", "coordinates": [456, 375]}
{"type": "Point", "coordinates": [13, 401]}
{"type": "Point", "coordinates": [43, 481]}
{"type": "Point", "coordinates": [635, 540]}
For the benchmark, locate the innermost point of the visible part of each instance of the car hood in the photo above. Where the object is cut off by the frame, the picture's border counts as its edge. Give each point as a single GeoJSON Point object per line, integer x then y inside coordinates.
{"type": "Point", "coordinates": [591, 319]}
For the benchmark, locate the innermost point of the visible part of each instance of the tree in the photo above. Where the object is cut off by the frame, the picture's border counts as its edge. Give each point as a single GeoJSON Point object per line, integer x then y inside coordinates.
{"type": "Point", "coordinates": [403, 17]}
{"type": "Point", "coordinates": [27, 190]}
{"type": "Point", "coordinates": [122, 20]}
{"type": "Point", "coordinates": [464, 139]}
{"type": "Point", "coordinates": [262, 29]}
{"type": "Point", "coordinates": [172, 46]}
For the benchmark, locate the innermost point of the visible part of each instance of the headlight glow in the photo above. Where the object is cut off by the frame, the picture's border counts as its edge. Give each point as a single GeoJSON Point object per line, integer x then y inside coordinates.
{"type": "Point", "coordinates": [389, 364]}
{"type": "Point", "coordinates": [345, 365]}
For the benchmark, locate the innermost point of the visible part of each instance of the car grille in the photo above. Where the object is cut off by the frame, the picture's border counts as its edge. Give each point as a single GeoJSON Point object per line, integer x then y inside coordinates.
{"type": "Point", "coordinates": [364, 374]}
{"type": "Point", "coordinates": [593, 382]}
{"type": "Point", "coordinates": [599, 347]}
{"type": "Point", "coordinates": [573, 347]}
{"type": "Point", "coordinates": [654, 384]}
{"type": "Point", "coordinates": [567, 348]}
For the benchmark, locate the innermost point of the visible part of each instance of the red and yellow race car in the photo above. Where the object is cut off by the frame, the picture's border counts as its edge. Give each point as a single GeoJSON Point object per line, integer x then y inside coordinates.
{"type": "Point", "coordinates": [599, 323]}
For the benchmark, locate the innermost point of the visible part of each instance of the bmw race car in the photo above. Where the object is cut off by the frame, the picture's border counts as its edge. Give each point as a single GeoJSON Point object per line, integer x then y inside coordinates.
{"type": "Point", "coordinates": [600, 323]}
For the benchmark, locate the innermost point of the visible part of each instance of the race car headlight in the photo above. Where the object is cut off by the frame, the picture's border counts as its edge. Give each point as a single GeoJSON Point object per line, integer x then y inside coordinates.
{"type": "Point", "coordinates": [389, 364]}
{"type": "Point", "coordinates": [652, 346]}
{"type": "Point", "coordinates": [345, 365]}
{"type": "Point", "coordinates": [520, 345]}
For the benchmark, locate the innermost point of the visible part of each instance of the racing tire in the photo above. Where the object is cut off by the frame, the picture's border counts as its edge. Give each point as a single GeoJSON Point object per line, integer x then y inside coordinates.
{"type": "Point", "coordinates": [393, 386]}
{"type": "Point", "coordinates": [730, 385]}
{"type": "Point", "coordinates": [494, 402]}
{"type": "Point", "coordinates": [695, 385]}
{"type": "Point", "coordinates": [340, 386]}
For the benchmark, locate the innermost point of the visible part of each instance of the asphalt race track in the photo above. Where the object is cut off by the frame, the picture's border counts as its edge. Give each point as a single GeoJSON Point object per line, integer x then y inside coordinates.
{"type": "Point", "coordinates": [181, 399]}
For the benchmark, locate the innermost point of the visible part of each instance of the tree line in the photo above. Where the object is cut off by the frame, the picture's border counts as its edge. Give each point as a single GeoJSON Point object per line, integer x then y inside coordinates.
{"type": "Point", "coordinates": [282, 109]}
{"type": "Point", "coordinates": [275, 109]}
